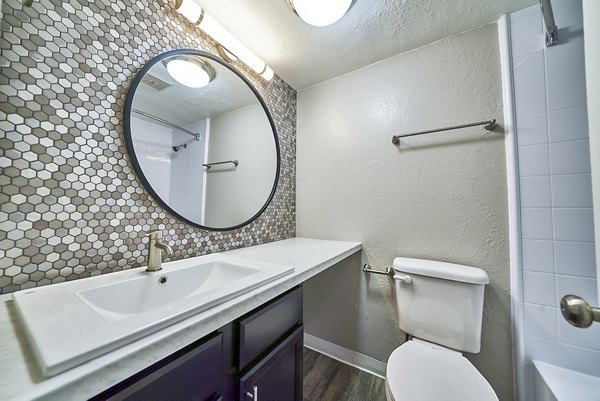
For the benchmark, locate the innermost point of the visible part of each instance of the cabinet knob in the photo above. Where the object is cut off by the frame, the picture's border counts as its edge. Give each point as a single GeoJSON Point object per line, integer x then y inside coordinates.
{"type": "Point", "coordinates": [253, 394]}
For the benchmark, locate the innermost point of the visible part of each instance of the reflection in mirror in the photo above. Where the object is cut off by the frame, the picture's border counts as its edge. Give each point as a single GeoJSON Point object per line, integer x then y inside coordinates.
{"type": "Point", "coordinates": [202, 140]}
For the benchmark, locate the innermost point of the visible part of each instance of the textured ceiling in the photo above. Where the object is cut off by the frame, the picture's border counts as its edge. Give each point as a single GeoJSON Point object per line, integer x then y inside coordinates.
{"type": "Point", "coordinates": [373, 30]}
{"type": "Point", "coordinates": [182, 105]}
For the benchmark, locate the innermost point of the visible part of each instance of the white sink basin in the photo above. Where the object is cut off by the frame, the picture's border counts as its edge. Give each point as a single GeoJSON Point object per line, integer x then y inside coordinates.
{"type": "Point", "coordinates": [73, 322]}
{"type": "Point", "coordinates": [122, 299]}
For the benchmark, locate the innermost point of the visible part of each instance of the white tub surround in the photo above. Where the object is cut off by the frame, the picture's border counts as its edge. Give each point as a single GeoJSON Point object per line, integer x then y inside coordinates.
{"type": "Point", "coordinates": [21, 379]}
{"type": "Point", "coordinates": [555, 193]}
{"type": "Point", "coordinates": [551, 208]}
{"type": "Point", "coordinates": [591, 14]}
{"type": "Point", "coordinates": [514, 204]}
{"type": "Point", "coordinates": [553, 383]}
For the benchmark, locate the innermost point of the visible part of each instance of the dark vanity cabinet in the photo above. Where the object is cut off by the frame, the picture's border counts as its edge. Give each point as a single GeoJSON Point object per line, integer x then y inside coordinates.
{"type": "Point", "coordinates": [270, 350]}
{"type": "Point", "coordinates": [256, 357]}
{"type": "Point", "coordinates": [194, 373]}
{"type": "Point", "coordinates": [278, 376]}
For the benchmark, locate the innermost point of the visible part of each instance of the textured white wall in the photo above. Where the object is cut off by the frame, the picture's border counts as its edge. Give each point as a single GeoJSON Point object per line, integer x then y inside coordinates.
{"type": "Point", "coordinates": [233, 195]}
{"type": "Point", "coordinates": [441, 196]}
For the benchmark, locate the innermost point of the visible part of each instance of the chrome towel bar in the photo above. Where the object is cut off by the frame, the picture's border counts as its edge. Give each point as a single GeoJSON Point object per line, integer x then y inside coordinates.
{"type": "Point", "coordinates": [368, 269]}
{"type": "Point", "coordinates": [209, 165]}
{"type": "Point", "coordinates": [488, 125]}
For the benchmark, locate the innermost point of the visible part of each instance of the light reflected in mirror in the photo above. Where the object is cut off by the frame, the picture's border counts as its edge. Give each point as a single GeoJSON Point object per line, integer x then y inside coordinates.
{"type": "Point", "coordinates": [201, 140]}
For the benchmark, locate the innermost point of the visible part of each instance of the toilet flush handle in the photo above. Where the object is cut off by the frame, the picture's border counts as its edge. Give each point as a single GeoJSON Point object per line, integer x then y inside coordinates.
{"type": "Point", "coordinates": [403, 277]}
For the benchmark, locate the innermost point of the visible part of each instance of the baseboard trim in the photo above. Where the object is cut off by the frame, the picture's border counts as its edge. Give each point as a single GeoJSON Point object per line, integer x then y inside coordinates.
{"type": "Point", "coordinates": [344, 355]}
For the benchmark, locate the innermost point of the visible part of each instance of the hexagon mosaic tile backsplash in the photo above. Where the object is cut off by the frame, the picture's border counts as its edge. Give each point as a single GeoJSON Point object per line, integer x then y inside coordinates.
{"type": "Point", "coordinates": [71, 205]}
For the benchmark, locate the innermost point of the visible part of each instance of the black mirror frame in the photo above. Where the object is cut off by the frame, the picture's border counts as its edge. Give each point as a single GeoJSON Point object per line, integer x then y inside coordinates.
{"type": "Point", "coordinates": [131, 149]}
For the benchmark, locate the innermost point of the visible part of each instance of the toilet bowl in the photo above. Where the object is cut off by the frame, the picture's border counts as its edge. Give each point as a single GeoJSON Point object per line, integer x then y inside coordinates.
{"type": "Point", "coordinates": [441, 306]}
{"type": "Point", "coordinates": [422, 371]}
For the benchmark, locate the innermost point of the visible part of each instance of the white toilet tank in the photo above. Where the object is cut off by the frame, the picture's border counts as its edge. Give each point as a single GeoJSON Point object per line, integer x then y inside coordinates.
{"type": "Point", "coordinates": [440, 302]}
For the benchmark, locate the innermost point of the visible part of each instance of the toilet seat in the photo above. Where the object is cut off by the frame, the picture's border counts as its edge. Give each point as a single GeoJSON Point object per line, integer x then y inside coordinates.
{"type": "Point", "coordinates": [422, 371]}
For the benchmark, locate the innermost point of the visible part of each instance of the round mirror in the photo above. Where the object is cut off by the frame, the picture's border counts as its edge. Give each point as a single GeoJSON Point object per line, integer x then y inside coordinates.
{"type": "Point", "coordinates": [202, 140]}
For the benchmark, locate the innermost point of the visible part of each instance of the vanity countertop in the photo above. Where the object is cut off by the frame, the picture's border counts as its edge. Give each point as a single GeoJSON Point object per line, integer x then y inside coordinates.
{"type": "Point", "coordinates": [20, 377]}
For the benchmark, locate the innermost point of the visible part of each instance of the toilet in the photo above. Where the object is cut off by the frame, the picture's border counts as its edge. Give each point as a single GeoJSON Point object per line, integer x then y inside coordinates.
{"type": "Point", "coordinates": [441, 306]}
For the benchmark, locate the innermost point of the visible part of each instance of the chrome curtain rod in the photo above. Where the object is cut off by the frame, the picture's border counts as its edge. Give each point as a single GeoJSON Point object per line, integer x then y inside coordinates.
{"type": "Point", "coordinates": [170, 124]}
{"type": "Point", "coordinates": [551, 28]}
{"type": "Point", "coordinates": [488, 125]}
{"type": "Point", "coordinates": [209, 165]}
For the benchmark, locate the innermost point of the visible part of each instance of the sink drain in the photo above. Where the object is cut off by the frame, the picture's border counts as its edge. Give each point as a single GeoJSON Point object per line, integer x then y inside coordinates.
{"type": "Point", "coordinates": [162, 280]}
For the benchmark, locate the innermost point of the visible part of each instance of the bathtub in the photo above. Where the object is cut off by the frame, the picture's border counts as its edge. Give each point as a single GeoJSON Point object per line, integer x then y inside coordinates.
{"type": "Point", "coordinates": [553, 383]}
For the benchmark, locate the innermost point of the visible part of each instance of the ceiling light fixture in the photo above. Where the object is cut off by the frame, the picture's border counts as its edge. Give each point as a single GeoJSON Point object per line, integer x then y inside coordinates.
{"type": "Point", "coordinates": [319, 12]}
{"type": "Point", "coordinates": [231, 46]}
{"type": "Point", "coordinates": [190, 71]}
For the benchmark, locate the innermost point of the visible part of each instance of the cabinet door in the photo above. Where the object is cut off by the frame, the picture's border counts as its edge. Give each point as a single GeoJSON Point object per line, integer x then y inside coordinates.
{"type": "Point", "coordinates": [192, 374]}
{"type": "Point", "coordinates": [265, 326]}
{"type": "Point", "coordinates": [278, 376]}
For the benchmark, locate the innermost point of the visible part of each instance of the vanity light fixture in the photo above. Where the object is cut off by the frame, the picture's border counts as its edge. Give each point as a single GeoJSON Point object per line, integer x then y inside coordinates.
{"type": "Point", "coordinates": [190, 71]}
{"type": "Point", "coordinates": [319, 12]}
{"type": "Point", "coordinates": [232, 49]}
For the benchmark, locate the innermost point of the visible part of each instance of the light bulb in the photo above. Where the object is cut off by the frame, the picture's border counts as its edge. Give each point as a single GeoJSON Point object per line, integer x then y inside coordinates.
{"type": "Point", "coordinates": [319, 12]}
{"type": "Point", "coordinates": [189, 9]}
{"type": "Point", "coordinates": [230, 43]}
{"type": "Point", "coordinates": [268, 73]}
{"type": "Point", "coordinates": [232, 48]}
{"type": "Point", "coordinates": [188, 73]}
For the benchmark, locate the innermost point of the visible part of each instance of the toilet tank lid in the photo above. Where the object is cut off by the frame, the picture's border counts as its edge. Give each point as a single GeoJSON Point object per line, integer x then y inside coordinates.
{"type": "Point", "coordinates": [443, 270]}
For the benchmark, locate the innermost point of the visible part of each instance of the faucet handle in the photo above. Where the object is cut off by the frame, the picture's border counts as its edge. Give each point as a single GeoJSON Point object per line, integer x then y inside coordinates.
{"type": "Point", "coordinates": [155, 235]}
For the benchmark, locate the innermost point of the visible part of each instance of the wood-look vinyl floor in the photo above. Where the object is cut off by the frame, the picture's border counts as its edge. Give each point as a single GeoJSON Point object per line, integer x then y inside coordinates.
{"type": "Point", "coordinates": [326, 379]}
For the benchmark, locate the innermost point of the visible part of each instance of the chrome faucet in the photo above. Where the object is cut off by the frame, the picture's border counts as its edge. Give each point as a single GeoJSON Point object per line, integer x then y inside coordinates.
{"type": "Point", "coordinates": [155, 246]}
